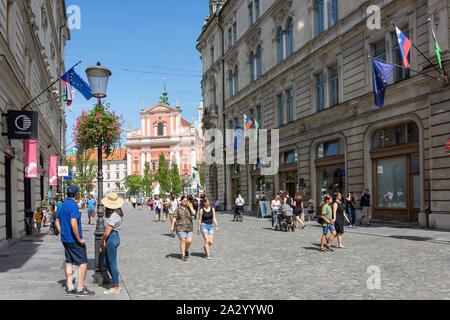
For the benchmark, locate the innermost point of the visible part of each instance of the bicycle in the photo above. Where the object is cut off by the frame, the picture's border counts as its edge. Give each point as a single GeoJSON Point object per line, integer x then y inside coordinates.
{"type": "Point", "coordinates": [239, 214]}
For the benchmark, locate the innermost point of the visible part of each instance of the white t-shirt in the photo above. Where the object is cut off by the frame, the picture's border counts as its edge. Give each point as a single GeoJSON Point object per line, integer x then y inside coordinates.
{"type": "Point", "coordinates": [115, 221]}
{"type": "Point", "coordinates": [240, 201]}
{"type": "Point", "coordinates": [173, 206]}
{"type": "Point", "coordinates": [276, 204]}
{"type": "Point", "coordinates": [158, 203]}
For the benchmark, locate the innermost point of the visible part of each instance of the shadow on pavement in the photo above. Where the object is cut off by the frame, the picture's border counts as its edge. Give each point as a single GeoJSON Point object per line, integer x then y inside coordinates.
{"type": "Point", "coordinates": [10, 259]}
{"type": "Point", "coordinates": [312, 248]}
{"type": "Point", "coordinates": [174, 255]}
{"type": "Point", "coordinates": [415, 238]}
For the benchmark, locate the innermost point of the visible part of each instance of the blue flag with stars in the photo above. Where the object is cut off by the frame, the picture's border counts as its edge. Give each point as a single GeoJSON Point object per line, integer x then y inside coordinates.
{"type": "Point", "coordinates": [381, 74]}
{"type": "Point", "coordinates": [77, 83]}
{"type": "Point", "coordinates": [239, 138]}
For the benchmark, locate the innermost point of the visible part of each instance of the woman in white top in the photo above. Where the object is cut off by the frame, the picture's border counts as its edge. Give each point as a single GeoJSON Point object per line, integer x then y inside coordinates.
{"type": "Point", "coordinates": [275, 206]}
{"type": "Point", "coordinates": [111, 240]}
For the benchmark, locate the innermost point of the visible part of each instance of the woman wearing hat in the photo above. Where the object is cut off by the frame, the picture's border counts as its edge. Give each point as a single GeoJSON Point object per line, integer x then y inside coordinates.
{"type": "Point", "coordinates": [111, 239]}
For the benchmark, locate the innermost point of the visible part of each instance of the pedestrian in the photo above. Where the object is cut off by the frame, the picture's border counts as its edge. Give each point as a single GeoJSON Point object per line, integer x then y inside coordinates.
{"type": "Point", "coordinates": [38, 216]}
{"type": "Point", "coordinates": [139, 202]}
{"type": "Point", "coordinates": [298, 210]}
{"type": "Point", "coordinates": [206, 222]}
{"type": "Point", "coordinates": [46, 207]}
{"type": "Point", "coordinates": [151, 203]}
{"type": "Point", "coordinates": [275, 206]}
{"type": "Point", "coordinates": [111, 240]}
{"type": "Point", "coordinates": [239, 207]}
{"type": "Point", "coordinates": [311, 210]}
{"type": "Point", "coordinates": [173, 207]}
{"type": "Point", "coordinates": [68, 223]}
{"type": "Point", "coordinates": [133, 202]}
{"type": "Point", "coordinates": [165, 206]}
{"type": "Point", "coordinates": [365, 207]}
{"type": "Point", "coordinates": [350, 207]}
{"type": "Point", "coordinates": [158, 208]}
{"type": "Point", "coordinates": [340, 216]}
{"type": "Point", "coordinates": [92, 208]}
{"type": "Point", "coordinates": [182, 223]}
{"type": "Point", "coordinates": [287, 199]}
{"type": "Point", "coordinates": [327, 223]}
{"type": "Point", "coordinates": [195, 206]}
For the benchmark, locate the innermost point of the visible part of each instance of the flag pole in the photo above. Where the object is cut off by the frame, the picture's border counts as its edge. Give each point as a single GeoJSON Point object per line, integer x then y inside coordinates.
{"type": "Point", "coordinates": [51, 85]}
{"type": "Point", "coordinates": [434, 66]}
{"type": "Point", "coordinates": [397, 65]}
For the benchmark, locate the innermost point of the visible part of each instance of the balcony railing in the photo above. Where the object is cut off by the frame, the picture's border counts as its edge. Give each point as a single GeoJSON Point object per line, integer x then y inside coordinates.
{"type": "Point", "coordinates": [211, 111]}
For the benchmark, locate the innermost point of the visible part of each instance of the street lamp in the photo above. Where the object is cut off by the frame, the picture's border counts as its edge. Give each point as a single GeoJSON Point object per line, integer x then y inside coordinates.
{"type": "Point", "coordinates": [98, 81]}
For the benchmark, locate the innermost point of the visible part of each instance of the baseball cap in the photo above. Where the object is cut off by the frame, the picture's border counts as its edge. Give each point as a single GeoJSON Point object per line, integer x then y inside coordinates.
{"type": "Point", "coordinates": [72, 189]}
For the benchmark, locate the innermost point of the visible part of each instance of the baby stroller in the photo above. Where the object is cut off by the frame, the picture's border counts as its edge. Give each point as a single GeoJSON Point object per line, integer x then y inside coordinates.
{"type": "Point", "coordinates": [286, 218]}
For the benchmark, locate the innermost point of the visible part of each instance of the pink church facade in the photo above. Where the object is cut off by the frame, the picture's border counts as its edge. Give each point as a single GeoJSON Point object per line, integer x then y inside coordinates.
{"type": "Point", "coordinates": [163, 130]}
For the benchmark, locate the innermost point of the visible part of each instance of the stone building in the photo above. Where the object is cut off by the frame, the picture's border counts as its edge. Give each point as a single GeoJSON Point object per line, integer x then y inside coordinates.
{"type": "Point", "coordinates": [302, 67]}
{"type": "Point", "coordinates": [33, 36]}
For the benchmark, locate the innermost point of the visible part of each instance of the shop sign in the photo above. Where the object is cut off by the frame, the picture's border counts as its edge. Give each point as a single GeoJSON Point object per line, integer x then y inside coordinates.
{"type": "Point", "coordinates": [23, 125]}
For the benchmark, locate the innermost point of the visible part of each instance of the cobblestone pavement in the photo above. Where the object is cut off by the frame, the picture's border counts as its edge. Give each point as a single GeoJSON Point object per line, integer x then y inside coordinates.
{"type": "Point", "coordinates": [251, 261]}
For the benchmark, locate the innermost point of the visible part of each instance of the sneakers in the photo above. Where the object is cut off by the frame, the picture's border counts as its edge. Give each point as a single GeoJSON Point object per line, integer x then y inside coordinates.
{"type": "Point", "coordinates": [184, 258]}
{"type": "Point", "coordinates": [112, 291]}
{"type": "Point", "coordinates": [71, 292]}
{"type": "Point", "coordinates": [85, 292]}
{"type": "Point", "coordinates": [208, 258]}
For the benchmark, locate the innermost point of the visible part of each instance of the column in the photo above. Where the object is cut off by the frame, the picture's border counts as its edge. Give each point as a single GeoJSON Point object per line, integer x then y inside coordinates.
{"type": "Point", "coordinates": [142, 162]}
{"type": "Point", "coordinates": [128, 164]}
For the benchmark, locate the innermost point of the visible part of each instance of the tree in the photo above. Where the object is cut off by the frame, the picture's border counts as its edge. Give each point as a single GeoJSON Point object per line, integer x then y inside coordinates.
{"type": "Point", "coordinates": [163, 174]}
{"type": "Point", "coordinates": [147, 180]}
{"type": "Point", "coordinates": [134, 183]}
{"type": "Point", "coordinates": [202, 173]}
{"type": "Point", "coordinates": [175, 178]}
{"type": "Point", "coordinates": [85, 171]}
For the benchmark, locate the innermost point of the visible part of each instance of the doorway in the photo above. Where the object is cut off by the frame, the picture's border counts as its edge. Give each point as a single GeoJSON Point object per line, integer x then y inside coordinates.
{"type": "Point", "coordinates": [8, 198]}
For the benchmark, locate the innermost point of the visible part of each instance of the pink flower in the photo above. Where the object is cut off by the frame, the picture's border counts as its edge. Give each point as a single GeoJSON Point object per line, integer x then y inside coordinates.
{"type": "Point", "coordinates": [104, 144]}
{"type": "Point", "coordinates": [114, 125]}
{"type": "Point", "coordinates": [99, 134]}
{"type": "Point", "coordinates": [117, 117]}
{"type": "Point", "coordinates": [117, 131]}
{"type": "Point", "coordinates": [109, 132]}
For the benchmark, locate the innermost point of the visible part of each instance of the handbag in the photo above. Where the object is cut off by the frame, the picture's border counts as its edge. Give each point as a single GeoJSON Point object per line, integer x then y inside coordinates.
{"type": "Point", "coordinates": [320, 220]}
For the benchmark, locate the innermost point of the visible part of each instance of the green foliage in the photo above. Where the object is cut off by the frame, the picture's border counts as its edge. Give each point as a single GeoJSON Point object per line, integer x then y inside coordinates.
{"type": "Point", "coordinates": [85, 171]}
{"type": "Point", "coordinates": [134, 183]}
{"type": "Point", "coordinates": [202, 173]}
{"type": "Point", "coordinates": [175, 178]}
{"type": "Point", "coordinates": [147, 180]}
{"type": "Point", "coordinates": [163, 174]}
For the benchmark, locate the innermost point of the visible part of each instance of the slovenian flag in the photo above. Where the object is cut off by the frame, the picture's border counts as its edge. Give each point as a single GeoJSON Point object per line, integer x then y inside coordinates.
{"type": "Point", "coordinates": [405, 45]}
{"type": "Point", "coordinates": [256, 130]}
{"type": "Point", "coordinates": [68, 93]}
{"type": "Point", "coordinates": [247, 122]}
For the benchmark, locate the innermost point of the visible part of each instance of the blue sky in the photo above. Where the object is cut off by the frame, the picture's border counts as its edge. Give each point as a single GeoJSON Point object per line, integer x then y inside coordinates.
{"type": "Point", "coordinates": [141, 42]}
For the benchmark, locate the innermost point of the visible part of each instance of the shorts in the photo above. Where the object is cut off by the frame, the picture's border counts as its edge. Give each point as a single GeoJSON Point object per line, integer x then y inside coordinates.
{"type": "Point", "coordinates": [75, 253]}
{"type": "Point", "coordinates": [298, 213]}
{"type": "Point", "coordinates": [38, 225]}
{"type": "Point", "coordinates": [367, 212]}
{"type": "Point", "coordinates": [326, 228]}
{"type": "Point", "coordinates": [184, 234]}
{"type": "Point", "coordinates": [91, 213]}
{"type": "Point", "coordinates": [207, 228]}
{"type": "Point", "coordinates": [157, 210]}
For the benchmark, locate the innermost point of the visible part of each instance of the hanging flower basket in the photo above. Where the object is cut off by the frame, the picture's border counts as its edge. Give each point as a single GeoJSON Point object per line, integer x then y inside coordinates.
{"type": "Point", "coordinates": [447, 146]}
{"type": "Point", "coordinates": [98, 128]}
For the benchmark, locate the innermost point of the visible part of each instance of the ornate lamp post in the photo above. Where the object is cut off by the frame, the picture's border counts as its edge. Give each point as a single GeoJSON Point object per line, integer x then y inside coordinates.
{"type": "Point", "coordinates": [98, 81]}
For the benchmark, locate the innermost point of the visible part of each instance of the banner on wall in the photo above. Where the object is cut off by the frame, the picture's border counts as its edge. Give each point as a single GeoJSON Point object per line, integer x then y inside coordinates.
{"type": "Point", "coordinates": [31, 168]}
{"type": "Point", "coordinates": [53, 171]}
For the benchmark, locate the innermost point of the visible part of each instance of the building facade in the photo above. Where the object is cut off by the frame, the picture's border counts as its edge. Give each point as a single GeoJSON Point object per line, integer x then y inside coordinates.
{"type": "Point", "coordinates": [33, 36]}
{"type": "Point", "coordinates": [114, 171]}
{"type": "Point", "coordinates": [302, 67]}
{"type": "Point", "coordinates": [163, 130]}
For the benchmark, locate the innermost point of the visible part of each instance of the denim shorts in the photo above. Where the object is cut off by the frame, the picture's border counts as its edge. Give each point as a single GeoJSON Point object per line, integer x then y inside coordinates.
{"type": "Point", "coordinates": [326, 228]}
{"type": "Point", "coordinates": [38, 225]}
{"type": "Point", "coordinates": [75, 253]}
{"type": "Point", "coordinates": [183, 235]}
{"type": "Point", "coordinates": [207, 228]}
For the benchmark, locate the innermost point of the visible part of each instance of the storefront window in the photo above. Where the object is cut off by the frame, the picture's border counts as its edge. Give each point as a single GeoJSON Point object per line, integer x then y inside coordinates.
{"type": "Point", "coordinates": [331, 179]}
{"type": "Point", "coordinates": [391, 183]}
{"type": "Point", "coordinates": [398, 135]}
{"type": "Point", "coordinates": [415, 163]}
{"type": "Point", "coordinates": [331, 149]}
{"type": "Point", "coordinates": [413, 132]}
{"type": "Point", "coordinates": [394, 136]}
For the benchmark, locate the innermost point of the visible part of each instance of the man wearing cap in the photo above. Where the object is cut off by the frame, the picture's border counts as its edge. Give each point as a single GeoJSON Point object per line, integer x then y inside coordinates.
{"type": "Point", "coordinates": [68, 223]}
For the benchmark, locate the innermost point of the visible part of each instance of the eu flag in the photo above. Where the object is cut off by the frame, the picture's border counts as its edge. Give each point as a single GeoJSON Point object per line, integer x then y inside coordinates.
{"type": "Point", "coordinates": [238, 138]}
{"type": "Point", "coordinates": [381, 74]}
{"type": "Point", "coordinates": [75, 80]}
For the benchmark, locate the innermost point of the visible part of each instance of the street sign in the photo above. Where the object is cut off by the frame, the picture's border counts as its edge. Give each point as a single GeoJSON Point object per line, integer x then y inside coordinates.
{"type": "Point", "coordinates": [69, 177]}
{"type": "Point", "coordinates": [23, 124]}
{"type": "Point", "coordinates": [72, 151]}
{"type": "Point", "coordinates": [63, 171]}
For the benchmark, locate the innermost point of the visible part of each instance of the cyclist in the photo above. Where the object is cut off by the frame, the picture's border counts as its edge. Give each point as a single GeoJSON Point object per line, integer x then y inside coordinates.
{"type": "Point", "coordinates": [239, 207]}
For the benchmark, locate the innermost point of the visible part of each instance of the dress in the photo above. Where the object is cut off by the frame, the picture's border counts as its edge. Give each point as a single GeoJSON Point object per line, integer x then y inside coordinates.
{"type": "Point", "coordinates": [298, 207]}
{"type": "Point", "coordinates": [339, 223]}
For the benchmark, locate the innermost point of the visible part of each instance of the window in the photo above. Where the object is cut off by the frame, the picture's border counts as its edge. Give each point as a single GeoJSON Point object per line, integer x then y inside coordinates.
{"type": "Point", "coordinates": [280, 102]}
{"type": "Point", "coordinates": [258, 62]}
{"type": "Point", "coordinates": [230, 39]}
{"type": "Point", "coordinates": [289, 38]}
{"type": "Point", "coordinates": [117, 175]}
{"type": "Point", "coordinates": [333, 85]}
{"type": "Point", "coordinates": [124, 174]}
{"type": "Point", "coordinates": [279, 44]}
{"type": "Point", "coordinates": [379, 50]}
{"type": "Point", "coordinates": [251, 67]}
{"type": "Point", "coordinates": [331, 149]}
{"type": "Point", "coordinates": [153, 166]}
{"type": "Point", "coordinates": [250, 14]}
{"type": "Point", "coordinates": [396, 135]}
{"type": "Point", "coordinates": [108, 185]}
{"type": "Point", "coordinates": [212, 55]}
{"type": "Point", "coordinates": [136, 165]}
{"type": "Point", "coordinates": [319, 85]}
{"type": "Point", "coordinates": [236, 80]}
{"type": "Point", "coordinates": [117, 166]}
{"type": "Point", "coordinates": [287, 157]}
{"type": "Point", "coordinates": [108, 176]}
{"type": "Point", "coordinates": [318, 17]}
{"type": "Point", "coordinates": [160, 129]}
{"type": "Point", "coordinates": [399, 73]}
{"type": "Point", "coordinates": [107, 167]}
{"type": "Point", "coordinates": [234, 32]}
{"type": "Point", "coordinates": [256, 9]}
{"type": "Point", "coordinates": [230, 82]}
{"type": "Point", "coordinates": [290, 105]}
{"type": "Point", "coordinates": [252, 117]}
{"type": "Point", "coordinates": [124, 165]}
{"type": "Point", "coordinates": [332, 8]}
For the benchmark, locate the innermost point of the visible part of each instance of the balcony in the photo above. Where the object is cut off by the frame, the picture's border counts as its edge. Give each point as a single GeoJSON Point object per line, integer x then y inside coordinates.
{"type": "Point", "coordinates": [210, 117]}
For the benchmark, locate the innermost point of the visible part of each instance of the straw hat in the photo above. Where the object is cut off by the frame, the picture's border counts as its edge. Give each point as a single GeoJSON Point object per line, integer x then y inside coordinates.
{"type": "Point", "coordinates": [112, 201]}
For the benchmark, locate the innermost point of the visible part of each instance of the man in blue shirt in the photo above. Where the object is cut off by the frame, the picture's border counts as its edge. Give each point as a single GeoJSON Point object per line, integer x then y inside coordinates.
{"type": "Point", "coordinates": [92, 208]}
{"type": "Point", "coordinates": [68, 223]}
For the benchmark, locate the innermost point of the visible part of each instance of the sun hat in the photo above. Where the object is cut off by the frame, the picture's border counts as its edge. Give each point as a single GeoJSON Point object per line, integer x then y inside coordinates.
{"type": "Point", "coordinates": [112, 201]}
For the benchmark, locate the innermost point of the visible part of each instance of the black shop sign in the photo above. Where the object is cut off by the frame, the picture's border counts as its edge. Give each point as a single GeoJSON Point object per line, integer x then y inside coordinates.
{"type": "Point", "coordinates": [23, 125]}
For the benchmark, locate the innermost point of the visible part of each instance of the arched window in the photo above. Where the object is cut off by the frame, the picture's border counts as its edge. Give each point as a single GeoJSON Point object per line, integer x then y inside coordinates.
{"type": "Point", "coordinates": [236, 79]}
{"type": "Point", "coordinates": [258, 62]}
{"type": "Point", "coordinates": [160, 129]}
{"type": "Point", "coordinates": [279, 41]}
{"type": "Point", "coordinates": [331, 149]}
{"type": "Point", "coordinates": [396, 135]}
{"type": "Point", "coordinates": [251, 67]}
{"type": "Point", "coordinates": [289, 38]}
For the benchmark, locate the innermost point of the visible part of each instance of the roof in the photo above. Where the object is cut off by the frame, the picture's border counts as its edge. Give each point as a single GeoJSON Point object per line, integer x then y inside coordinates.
{"type": "Point", "coordinates": [185, 123]}
{"type": "Point", "coordinates": [116, 155]}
